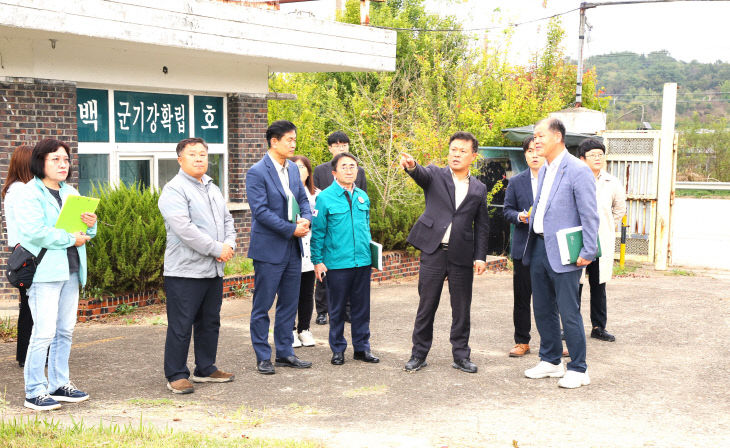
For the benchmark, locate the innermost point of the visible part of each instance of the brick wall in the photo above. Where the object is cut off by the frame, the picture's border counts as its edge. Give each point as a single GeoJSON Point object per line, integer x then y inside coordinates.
{"type": "Point", "coordinates": [396, 265]}
{"type": "Point", "coordinates": [247, 123]}
{"type": "Point", "coordinates": [30, 110]}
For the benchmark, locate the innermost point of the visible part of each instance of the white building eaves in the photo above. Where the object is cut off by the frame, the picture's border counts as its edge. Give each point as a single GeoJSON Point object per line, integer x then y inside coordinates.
{"type": "Point", "coordinates": [217, 33]}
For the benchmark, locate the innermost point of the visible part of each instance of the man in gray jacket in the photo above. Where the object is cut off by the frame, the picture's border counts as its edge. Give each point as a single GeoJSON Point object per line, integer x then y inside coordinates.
{"type": "Point", "coordinates": [200, 239]}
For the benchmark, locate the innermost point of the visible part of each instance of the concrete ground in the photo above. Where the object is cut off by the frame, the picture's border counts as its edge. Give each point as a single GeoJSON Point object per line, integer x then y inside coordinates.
{"type": "Point", "coordinates": [663, 383]}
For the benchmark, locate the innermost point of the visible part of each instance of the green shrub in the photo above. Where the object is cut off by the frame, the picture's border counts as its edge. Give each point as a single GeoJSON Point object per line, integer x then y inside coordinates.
{"type": "Point", "coordinates": [128, 251]}
{"type": "Point", "coordinates": [238, 266]}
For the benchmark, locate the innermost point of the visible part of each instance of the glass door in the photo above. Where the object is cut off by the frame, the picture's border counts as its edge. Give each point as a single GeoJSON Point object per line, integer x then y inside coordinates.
{"type": "Point", "coordinates": [135, 171]}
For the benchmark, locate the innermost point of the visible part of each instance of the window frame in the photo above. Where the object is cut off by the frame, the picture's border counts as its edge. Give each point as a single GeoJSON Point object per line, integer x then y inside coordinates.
{"type": "Point", "coordinates": [154, 151]}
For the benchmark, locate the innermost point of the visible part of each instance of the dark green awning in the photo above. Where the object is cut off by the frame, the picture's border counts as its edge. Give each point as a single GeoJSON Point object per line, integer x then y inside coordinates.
{"type": "Point", "coordinates": [572, 139]}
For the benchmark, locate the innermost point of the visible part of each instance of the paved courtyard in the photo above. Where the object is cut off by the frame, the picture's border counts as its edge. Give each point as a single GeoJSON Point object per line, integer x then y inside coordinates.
{"type": "Point", "coordinates": [664, 382]}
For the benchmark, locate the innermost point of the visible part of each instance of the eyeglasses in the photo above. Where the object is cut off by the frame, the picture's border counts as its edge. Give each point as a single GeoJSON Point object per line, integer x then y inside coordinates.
{"type": "Point", "coordinates": [347, 167]}
{"type": "Point", "coordinates": [340, 146]}
{"type": "Point", "coordinates": [58, 160]}
{"type": "Point", "coordinates": [594, 156]}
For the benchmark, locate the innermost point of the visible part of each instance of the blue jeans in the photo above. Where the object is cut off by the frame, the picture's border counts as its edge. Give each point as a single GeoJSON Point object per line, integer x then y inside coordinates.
{"type": "Point", "coordinates": [555, 298]}
{"type": "Point", "coordinates": [53, 306]}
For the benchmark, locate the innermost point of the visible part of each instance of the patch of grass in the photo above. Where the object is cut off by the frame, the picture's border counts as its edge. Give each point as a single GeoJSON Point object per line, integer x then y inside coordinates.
{"type": "Point", "coordinates": [35, 432]}
{"type": "Point", "coordinates": [8, 329]}
{"type": "Point", "coordinates": [680, 272]}
{"type": "Point", "coordinates": [159, 402]}
{"type": "Point", "coordinates": [619, 271]}
{"type": "Point", "coordinates": [378, 389]}
{"type": "Point", "coordinates": [3, 402]}
{"type": "Point", "coordinates": [239, 290]}
{"type": "Point", "coordinates": [157, 320]}
{"type": "Point", "coordinates": [125, 309]}
{"type": "Point", "coordinates": [296, 408]}
{"type": "Point", "coordinates": [715, 194]}
{"type": "Point", "coordinates": [238, 266]}
{"type": "Point", "coordinates": [247, 417]}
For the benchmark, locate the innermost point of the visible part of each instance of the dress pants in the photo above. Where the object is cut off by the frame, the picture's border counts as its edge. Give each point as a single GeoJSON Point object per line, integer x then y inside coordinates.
{"type": "Point", "coordinates": [193, 306]}
{"type": "Point", "coordinates": [598, 295]}
{"type": "Point", "coordinates": [521, 312]}
{"type": "Point", "coordinates": [321, 298]}
{"type": "Point", "coordinates": [554, 297]}
{"type": "Point", "coordinates": [306, 301]}
{"type": "Point", "coordinates": [434, 269]}
{"type": "Point", "coordinates": [355, 284]}
{"type": "Point", "coordinates": [272, 280]}
{"type": "Point", "coordinates": [25, 326]}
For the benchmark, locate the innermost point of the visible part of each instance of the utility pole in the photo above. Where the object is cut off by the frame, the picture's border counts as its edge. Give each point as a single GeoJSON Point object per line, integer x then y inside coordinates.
{"type": "Point", "coordinates": [365, 11]}
{"type": "Point", "coordinates": [665, 182]}
{"type": "Point", "coordinates": [581, 40]}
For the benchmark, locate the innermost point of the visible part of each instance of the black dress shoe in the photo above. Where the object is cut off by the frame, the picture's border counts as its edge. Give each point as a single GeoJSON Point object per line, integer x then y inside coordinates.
{"type": "Point", "coordinates": [265, 368]}
{"type": "Point", "coordinates": [366, 356]}
{"type": "Point", "coordinates": [293, 361]}
{"type": "Point", "coordinates": [415, 363]}
{"type": "Point", "coordinates": [602, 334]}
{"type": "Point", "coordinates": [321, 319]}
{"type": "Point", "coordinates": [338, 358]}
{"type": "Point", "coordinates": [465, 365]}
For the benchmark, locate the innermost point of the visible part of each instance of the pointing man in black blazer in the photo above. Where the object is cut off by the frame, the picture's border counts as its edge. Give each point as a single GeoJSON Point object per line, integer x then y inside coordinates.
{"type": "Point", "coordinates": [452, 236]}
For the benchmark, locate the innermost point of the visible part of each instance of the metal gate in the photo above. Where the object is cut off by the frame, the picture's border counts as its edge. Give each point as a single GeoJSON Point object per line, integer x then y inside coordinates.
{"type": "Point", "coordinates": [633, 157]}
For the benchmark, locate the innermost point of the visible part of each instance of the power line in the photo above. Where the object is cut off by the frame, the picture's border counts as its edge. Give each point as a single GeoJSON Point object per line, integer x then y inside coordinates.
{"type": "Point", "coordinates": [457, 30]}
{"type": "Point", "coordinates": [660, 94]}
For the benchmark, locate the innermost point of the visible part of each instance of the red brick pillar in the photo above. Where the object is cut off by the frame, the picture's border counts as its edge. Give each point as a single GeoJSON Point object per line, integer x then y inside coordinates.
{"type": "Point", "coordinates": [247, 123]}
{"type": "Point", "coordinates": [30, 110]}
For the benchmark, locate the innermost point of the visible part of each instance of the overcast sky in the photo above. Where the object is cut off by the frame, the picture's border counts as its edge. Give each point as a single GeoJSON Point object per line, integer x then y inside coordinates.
{"type": "Point", "coordinates": [688, 30]}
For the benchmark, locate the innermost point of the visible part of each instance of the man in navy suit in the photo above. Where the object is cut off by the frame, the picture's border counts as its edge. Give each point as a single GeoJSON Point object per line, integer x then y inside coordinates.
{"type": "Point", "coordinates": [275, 246]}
{"type": "Point", "coordinates": [452, 235]}
{"type": "Point", "coordinates": [518, 199]}
{"type": "Point", "coordinates": [566, 197]}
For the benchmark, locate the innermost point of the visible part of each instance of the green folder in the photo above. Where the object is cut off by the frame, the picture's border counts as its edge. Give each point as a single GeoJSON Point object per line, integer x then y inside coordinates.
{"type": "Point", "coordinates": [570, 242]}
{"type": "Point", "coordinates": [70, 217]}
{"type": "Point", "coordinates": [376, 255]}
{"type": "Point", "coordinates": [293, 210]}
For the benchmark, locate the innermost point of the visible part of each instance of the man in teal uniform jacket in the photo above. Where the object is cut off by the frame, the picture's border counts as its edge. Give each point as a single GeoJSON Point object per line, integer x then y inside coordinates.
{"type": "Point", "coordinates": [340, 249]}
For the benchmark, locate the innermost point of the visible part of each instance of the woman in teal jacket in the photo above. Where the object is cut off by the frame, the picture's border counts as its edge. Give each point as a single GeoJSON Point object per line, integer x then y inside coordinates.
{"type": "Point", "coordinates": [53, 297]}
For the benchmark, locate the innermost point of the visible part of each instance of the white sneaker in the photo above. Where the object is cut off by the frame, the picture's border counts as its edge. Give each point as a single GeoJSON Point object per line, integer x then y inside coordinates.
{"type": "Point", "coordinates": [307, 338]}
{"type": "Point", "coordinates": [544, 369]}
{"type": "Point", "coordinates": [297, 343]}
{"type": "Point", "coordinates": [573, 379]}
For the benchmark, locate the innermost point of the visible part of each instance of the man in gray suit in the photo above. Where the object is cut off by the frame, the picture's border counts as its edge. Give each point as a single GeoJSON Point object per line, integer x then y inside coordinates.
{"type": "Point", "coordinates": [566, 198]}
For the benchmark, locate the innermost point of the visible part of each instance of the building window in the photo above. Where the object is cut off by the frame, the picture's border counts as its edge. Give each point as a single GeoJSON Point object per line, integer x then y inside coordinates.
{"type": "Point", "coordinates": [93, 172]}
{"type": "Point", "coordinates": [136, 172]}
{"type": "Point", "coordinates": [130, 137]}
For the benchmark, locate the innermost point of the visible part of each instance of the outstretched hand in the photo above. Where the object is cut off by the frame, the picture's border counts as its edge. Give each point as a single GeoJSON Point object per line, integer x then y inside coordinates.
{"type": "Point", "coordinates": [407, 161]}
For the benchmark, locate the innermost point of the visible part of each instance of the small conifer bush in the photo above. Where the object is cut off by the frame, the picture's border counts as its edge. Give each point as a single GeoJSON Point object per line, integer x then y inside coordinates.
{"type": "Point", "coordinates": [128, 251]}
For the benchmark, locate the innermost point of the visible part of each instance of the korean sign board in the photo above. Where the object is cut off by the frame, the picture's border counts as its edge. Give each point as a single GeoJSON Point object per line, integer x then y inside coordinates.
{"type": "Point", "coordinates": [140, 117]}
